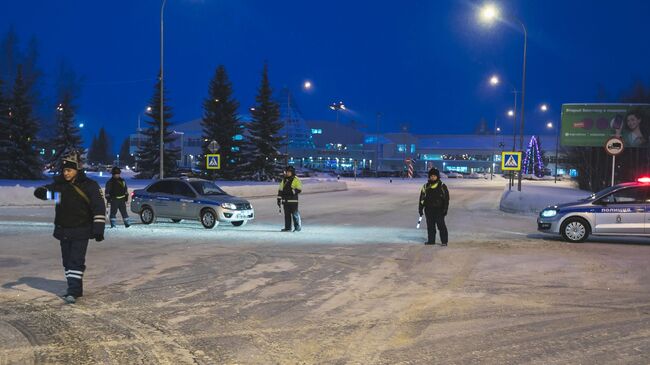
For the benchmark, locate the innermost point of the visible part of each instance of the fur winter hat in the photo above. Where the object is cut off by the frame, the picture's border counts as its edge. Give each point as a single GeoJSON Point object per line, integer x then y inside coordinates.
{"type": "Point", "coordinates": [71, 161]}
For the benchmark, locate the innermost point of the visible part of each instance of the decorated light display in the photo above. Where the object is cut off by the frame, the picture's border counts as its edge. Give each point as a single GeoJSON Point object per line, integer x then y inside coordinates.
{"type": "Point", "coordinates": [533, 163]}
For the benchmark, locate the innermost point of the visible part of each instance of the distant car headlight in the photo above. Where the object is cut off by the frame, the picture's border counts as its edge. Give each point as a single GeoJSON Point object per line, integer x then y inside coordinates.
{"type": "Point", "coordinates": [548, 213]}
{"type": "Point", "coordinates": [228, 206]}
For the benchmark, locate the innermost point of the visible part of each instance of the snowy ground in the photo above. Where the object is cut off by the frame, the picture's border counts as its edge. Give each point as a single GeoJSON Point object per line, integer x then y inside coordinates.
{"type": "Point", "coordinates": [21, 192]}
{"type": "Point", "coordinates": [355, 286]}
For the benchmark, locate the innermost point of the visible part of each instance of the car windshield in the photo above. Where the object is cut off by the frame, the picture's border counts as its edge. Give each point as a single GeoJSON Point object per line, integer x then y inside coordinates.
{"type": "Point", "coordinates": [207, 188]}
{"type": "Point", "coordinates": [601, 193]}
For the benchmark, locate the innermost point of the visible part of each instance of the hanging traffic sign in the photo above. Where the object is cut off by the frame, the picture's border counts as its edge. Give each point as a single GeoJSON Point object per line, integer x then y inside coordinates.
{"type": "Point", "coordinates": [213, 161]}
{"type": "Point", "coordinates": [213, 146]}
{"type": "Point", "coordinates": [510, 161]}
{"type": "Point", "coordinates": [614, 146]}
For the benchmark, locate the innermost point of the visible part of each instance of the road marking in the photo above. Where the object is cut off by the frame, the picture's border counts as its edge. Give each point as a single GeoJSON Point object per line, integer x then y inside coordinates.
{"type": "Point", "coordinates": [510, 232]}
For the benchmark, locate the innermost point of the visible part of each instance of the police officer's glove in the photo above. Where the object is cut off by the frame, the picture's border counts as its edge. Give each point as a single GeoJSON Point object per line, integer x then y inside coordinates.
{"type": "Point", "coordinates": [421, 212]}
{"type": "Point", "coordinates": [41, 193]}
{"type": "Point", "coordinates": [279, 201]}
{"type": "Point", "coordinates": [98, 237]}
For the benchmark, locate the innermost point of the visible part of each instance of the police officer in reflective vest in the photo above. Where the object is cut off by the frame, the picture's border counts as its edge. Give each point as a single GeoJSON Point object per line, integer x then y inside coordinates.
{"type": "Point", "coordinates": [290, 187]}
{"type": "Point", "coordinates": [80, 215]}
{"type": "Point", "coordinates": [434, 202]}
{"type": "Point", "coordinates": [117, 194]}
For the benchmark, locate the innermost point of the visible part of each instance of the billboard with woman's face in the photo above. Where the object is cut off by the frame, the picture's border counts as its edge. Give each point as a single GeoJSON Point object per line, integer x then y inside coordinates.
{"type": "Point", "coordinates": [590, 125]}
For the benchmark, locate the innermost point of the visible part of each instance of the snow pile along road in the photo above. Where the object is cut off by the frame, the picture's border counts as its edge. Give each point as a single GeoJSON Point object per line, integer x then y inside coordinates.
{"type": "Point", "coordinates": [535, 196]}
{"type": "Point", "coordinates": [21, 193]}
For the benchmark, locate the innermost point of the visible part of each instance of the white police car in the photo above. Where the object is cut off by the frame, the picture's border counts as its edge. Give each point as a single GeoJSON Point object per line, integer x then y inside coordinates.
{"type": "Point", "coordinates": [622, 209]}
{"type": "Point", "coordinates": [194, 199]}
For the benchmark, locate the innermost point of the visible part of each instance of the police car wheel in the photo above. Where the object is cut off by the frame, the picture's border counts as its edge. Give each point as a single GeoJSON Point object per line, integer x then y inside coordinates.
{"type": "Point", "coordinates": [208, 218]}
{"type": "Point", "coordinates": [176, 220]}
{"type": "Point", "coordinates": [146, 215]}
{"type": "Point", "coordinates": [238, 223]}
{"type": "Point", "coordinates": [575, 230]}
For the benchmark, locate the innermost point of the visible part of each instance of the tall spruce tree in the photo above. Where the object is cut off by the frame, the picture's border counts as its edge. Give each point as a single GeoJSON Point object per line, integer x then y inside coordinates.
{"type": "Point", "coordinates": [68, 135]}
{"type": "Point", "coordinates": [221, 123]}
{"type": "Point", "coordinates": [99, 151]}
{"type": "Point", "coordinates": [265, 142]}
{"type": "Point", "coordinates": [5, 142]}
{"type": "Point", "coordinates": [149, 164]}
{"type": "Point", "coordinates": [25, 162]}
{"type": "Point", "coordinates": [126, 159]}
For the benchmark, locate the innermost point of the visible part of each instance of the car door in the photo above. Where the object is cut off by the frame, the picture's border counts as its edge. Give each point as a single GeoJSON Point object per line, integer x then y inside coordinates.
{"type": "Point", "coordinates": [623, 211]}
{"type": "Point", "coordinates": [163, 195]}
{"type": "Point", "coordinates": [183, 203]}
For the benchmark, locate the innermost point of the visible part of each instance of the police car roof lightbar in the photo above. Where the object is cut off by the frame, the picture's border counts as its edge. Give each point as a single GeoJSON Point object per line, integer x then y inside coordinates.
{"type": "Point", "coordinates": [644, 179]}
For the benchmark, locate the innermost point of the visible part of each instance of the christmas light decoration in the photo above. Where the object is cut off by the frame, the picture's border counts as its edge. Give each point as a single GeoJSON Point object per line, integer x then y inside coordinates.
{"type": "Point", "coordinates": [533, 162]}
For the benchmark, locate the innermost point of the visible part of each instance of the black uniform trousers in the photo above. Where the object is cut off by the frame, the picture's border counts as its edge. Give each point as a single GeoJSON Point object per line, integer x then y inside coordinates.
{"type": "Point", "coordinates": [121, 205]}
{"type": "Point", "coordinates": [73, 253]}
{"type": "Point", "coordinates": [291, 213]}
{"type": "Point", "coordinates": [435, 217]}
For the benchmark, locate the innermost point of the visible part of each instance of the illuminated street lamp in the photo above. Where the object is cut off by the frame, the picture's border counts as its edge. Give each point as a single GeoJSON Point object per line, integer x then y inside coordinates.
{"type": "Point", "coordinates": [488, 14]}
{"type": "Point", "coordinates": [549, 125]}
{"type": "Point", "coordinates": [494, 80]}
{"type": "Point", "coordinates": [337, 107]}
{"type": "Point", "coordinates": [543, 107]}
{"type": "Point", "coordinates": [307, 85]}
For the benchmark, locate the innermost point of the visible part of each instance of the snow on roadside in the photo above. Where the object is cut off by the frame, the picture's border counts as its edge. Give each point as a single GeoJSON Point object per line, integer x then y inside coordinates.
{"type": "Point", "coordinates": [21, 192]}
{"type": "Point", "coordinates": [537, 195]}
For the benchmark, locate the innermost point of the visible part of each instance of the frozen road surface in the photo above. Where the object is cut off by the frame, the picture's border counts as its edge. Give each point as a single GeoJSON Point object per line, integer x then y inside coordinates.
{"type": "Point", "coordinates": [356, 286]}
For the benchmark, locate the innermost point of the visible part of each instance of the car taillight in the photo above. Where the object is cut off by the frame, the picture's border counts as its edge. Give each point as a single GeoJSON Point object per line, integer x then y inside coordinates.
{"type": "Point", "coordinates": [644, 179]}
{"type": "Point", "coordinates": [132, 194]}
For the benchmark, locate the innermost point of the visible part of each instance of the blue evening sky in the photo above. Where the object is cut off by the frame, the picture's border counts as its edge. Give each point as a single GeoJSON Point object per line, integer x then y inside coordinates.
{"type": "Point", "coordinates": [425, 63]}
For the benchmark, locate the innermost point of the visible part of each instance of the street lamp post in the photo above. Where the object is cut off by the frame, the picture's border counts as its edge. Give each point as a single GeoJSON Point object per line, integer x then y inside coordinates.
{"type": "Point", "coordinates": [162, 86]}
{"type": "Point", "coordinates": [377, 144]}
{"type": "Point", "coordinates": [557, 145]}
{"type": "Point", "coordinates": [490, 13]}
{"type": "Point", "coordinates": [337, 107]}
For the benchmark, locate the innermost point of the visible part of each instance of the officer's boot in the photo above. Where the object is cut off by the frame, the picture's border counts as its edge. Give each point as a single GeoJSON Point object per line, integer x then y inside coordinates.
{"type": "Point", "coordinates": [113, 221]}
{"type": "Point", "coordinates": [127, 222]}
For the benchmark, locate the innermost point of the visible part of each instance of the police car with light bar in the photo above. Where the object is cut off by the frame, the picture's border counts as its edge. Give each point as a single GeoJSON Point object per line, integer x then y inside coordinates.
{"type": "Point", "coordinates": [622, 209]}
{"type": "Point", "coordinates": [194, 199]}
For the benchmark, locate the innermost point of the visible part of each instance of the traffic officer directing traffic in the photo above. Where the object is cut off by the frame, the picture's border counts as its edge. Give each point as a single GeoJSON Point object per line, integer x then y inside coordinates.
{"type": "Point", "coordinates": [80, 215]}
{"type": "Point", "coordinates": [290, 187]}
{"type": "Point", "coordinates": [434, 203]}
{"type": "Point", "coordinates": [117, 194]}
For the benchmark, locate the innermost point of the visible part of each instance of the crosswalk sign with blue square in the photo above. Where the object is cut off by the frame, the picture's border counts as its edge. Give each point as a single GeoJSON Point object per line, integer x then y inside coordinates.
{"type": "Point", "coordinates": [213, 161]}
{"type": "Point", "coordinates": [510, 161]}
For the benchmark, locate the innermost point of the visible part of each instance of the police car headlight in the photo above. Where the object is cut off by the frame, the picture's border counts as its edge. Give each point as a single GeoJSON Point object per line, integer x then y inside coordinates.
{"type": "Point", "coordinates": [548, 213]}
{"type": "Point", "coordinates": [228, 206]}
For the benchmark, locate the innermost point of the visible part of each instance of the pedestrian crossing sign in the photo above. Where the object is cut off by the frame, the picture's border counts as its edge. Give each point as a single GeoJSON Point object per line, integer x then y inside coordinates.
{"type": "Point", "coordinates": [213, 161]}
{"type": "Point", "coordinates": [510, 161]}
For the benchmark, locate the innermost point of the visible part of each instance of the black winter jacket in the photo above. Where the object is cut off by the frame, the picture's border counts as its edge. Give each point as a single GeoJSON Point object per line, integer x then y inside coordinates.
{"type": "Point", "coordinates": [116, 189]}
{"type": "Point", "coordinates": [434, 196]}
{"type": "Point", "coordinates": [80, 208]}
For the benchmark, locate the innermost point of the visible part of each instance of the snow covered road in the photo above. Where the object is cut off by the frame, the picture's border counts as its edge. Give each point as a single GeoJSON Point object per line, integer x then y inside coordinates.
{"type": "Point", "coordinates": [355, 286]}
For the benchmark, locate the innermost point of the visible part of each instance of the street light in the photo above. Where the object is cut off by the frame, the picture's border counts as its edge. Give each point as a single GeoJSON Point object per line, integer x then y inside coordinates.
{"type": "Point", "coordinates": [494, 80]}
{"type": "Point", "coordinates": [549, 125]}
{"type": "Point", "coordinates": [543, 107]}
{"type": "Point", "coordinates": [307, 85]}
{"type": "Point", "coordinates": [337, 107]}
{"type": "Point", "coordinates": [162, 85]}
{"type": "Point", "coordinates": [489, 13]}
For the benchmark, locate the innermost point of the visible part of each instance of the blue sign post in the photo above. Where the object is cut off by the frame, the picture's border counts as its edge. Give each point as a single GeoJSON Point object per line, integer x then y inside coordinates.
{"type": "Point", "coordinates": [213, 161]}
{"type": "Point", "coordinates": [511, 161]}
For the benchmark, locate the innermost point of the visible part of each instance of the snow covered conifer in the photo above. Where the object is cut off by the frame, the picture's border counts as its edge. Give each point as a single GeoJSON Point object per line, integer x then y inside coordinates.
{"type": "Point", "coordinates": [264, 139]}
{"type": "Point", "coordinates": [149, 163]}
{"type": "Point", "coordinates": [221, 124]}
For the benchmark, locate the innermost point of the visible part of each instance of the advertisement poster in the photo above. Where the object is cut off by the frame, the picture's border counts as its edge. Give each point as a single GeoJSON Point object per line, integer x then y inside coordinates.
{"type": "Point", "coordinates": [591, 125]}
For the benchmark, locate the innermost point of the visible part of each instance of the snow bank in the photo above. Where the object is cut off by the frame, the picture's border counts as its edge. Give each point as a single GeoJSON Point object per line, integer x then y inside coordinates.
{"type": "Point", "coordinates": [21, 193]}
{"type": "Point", "coordinates": [536, 196]}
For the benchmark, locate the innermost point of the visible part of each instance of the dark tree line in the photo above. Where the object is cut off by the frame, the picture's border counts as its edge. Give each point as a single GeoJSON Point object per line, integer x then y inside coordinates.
{"type": "Point", "coordinates": [32, 136]}
{"type": "Point", "coordinates": [247, 151]}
